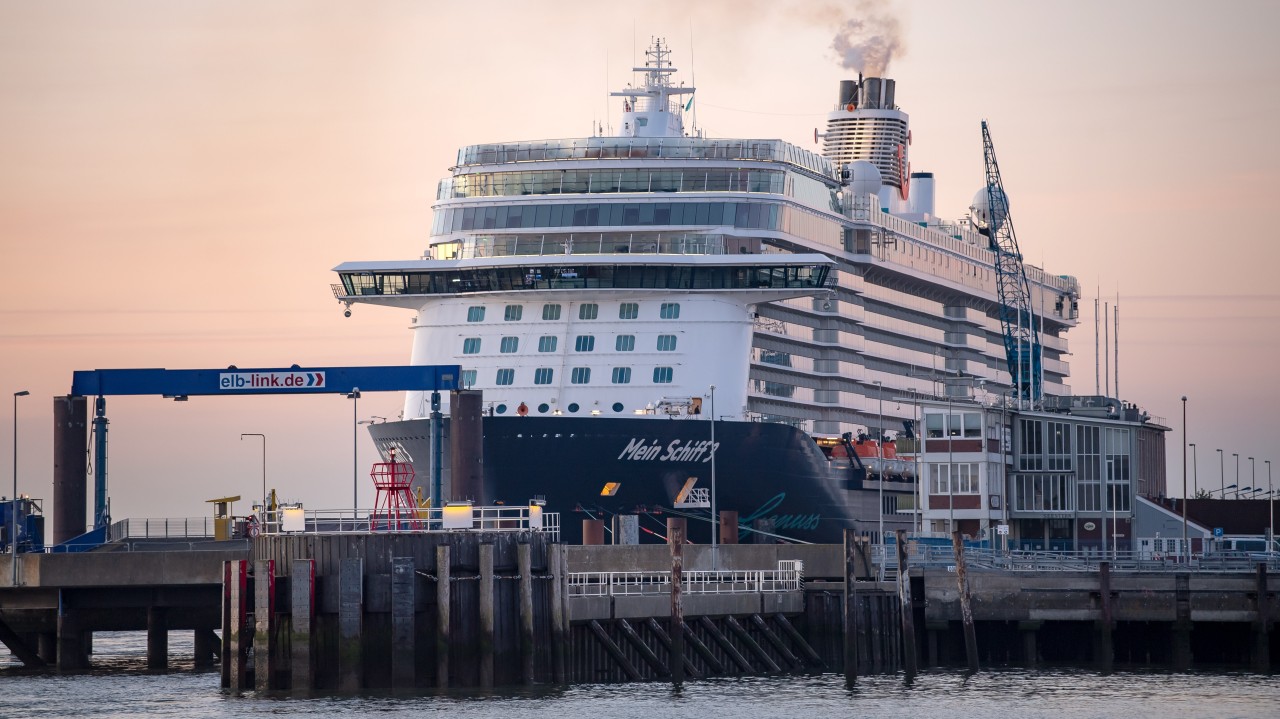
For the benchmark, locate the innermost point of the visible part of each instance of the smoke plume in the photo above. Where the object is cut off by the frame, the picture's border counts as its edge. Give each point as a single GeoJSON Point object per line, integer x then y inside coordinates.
{"type": "Point", "coordinates": [868, 37]}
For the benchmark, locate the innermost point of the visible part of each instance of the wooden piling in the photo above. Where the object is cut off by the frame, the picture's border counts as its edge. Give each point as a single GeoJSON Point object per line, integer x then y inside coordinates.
{"type": "Point", "coordinates": [302, 590]}
{"type": "Point", "coordinates": [403, 629]}
{"type": "Point", "coordinates": [486, 615]}
{"type": "Point", "coordinates": [555, 561]}
{"type": "Point", "coordinates": [350, 620]}
{"type": "Point", "coordinates": [157, 640]}
{"type": "Point", "coordinates": [645, 652]}
{"type": "Point", "coordinates": [1028, 630]}
{"type": "Point", "coordinates": [702, 650]}
{"type": "Point", "coordinates": [664, 639]}
{"type": "Point", "coordinates": [777, 643]}
{"type": "Point", "coordinates": [751, 644]}
{"type": "Point", "coordinates": [810, 653]}
{"type": "Point", "coordinates": [442, 616]}
{"type": "Point", "coordinates": [1104, 652]}
{"type": "Point", "coordinates": [1182, 622]}
{"type": "Point", "coordinates": [908, 611]}
{"type": "Point", "coordinates": [203, 642]}
{"type": "Point", "coordinates": [612, 648]}
{"type": "Point", "coordinates": [966, 612]}
{"type": "Point", "coordinates": [264, 595]}
{"type": "Point", "coordinates": [676, 527]}
{"type": "Point", "coordinates": [725, 645]}
{"type": "Point", "coordinates": [236, 628]}
{"type": "Point", "coordinates": [850, 608]}
{"type": "Point", "coordinates": [1260, 656]}
{"type": "Point", "coordinates": [224, 655]}
{"type": "Point", "coordinates": [524, 558]}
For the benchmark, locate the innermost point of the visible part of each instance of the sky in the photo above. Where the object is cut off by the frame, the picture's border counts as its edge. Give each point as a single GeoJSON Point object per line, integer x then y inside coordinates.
{"type": "Point", "coordinates": [179, 177]}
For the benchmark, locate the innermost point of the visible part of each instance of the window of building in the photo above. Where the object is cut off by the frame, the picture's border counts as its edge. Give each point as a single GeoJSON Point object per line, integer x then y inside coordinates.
{"type": "Point", "coordinates": [959, 478]}
{"type": "Point", "coordinates": [551, 312]}
{"type": "Point", "coordinates": [933, 425]}
{"type": "Point", "coordinates": [505, 377]}
{"type": "Point", "coordinates": [513, 313]}
{"type": "Point", "coordinates": [509, 345]}
{"type": "Point", "coordinates": [973, 425]}
{"type": "Point", "coordinates": [662, 375]}
{"type": "Point", "coordinates": [628, 310]}
{"type": "Point", "coordinates": [475, 314]}
{"type": "Point", "coordinates": [666, 343]}
{"type": "Point", "coordinates": [588, 311]}
{"type": "Point", "coordinates": [622, 375]}
{"type": "Point", "coordinates": [468, 378]}
{"type": "Point", "coordinates": [543, 375]}
{"type": "Point", "coordinates": [669, 311]}
{"type": "Point", "coordinates": [547, 343]}
{"type": "Point", "coordinates": [471, 345]}
{"type": "Point", "coordinates": [625, 343]}
{"type": "Point", "coordinates": [584, 343]}
{"type": "Point", "coordinates": [1030, 444]}
{"type": "Point", "coordinates": [1058, 440]}
{"type": "Point", "coordinates": [580, 375]}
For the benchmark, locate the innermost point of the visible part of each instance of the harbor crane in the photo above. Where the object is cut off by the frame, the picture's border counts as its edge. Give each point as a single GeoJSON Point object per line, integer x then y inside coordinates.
{"type": "Point", "coordinates": [1020, 326]}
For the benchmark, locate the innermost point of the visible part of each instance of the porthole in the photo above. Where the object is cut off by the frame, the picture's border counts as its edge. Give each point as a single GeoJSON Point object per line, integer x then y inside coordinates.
{"type": "Point", "coordinates": [500, 409]}
{"type": "Point", "coordinates": [617, 406]}
{"type": "Point", "coordinates": [544, 408]}
{"type": "Point", "coordinates": [573, 406]}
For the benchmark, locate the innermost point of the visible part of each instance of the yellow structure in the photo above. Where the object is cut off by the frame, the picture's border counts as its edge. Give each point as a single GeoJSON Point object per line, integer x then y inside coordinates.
{"type": "Point", "coordinates": [222, 517]}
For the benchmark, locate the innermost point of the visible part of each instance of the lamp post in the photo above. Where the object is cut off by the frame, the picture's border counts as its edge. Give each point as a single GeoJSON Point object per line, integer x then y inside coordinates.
{"type": "Point", "coordinates": [880, 454]}
{"type": "Point", "coordinates": [1185, 544]}
{"type": "Point", "coordinates": [1253, 476]}
{"type": "Point", "coordinates": [13, 508]}
{"type": "Point", "coordinates": [951, 468]}
{"type": "Point", "coordinates": [264, 471]}
{"type": "Point", "coordinates": [354, 396]}
{"type": "Point", "coordinates": [1222, 472]}
{"type": "Point", "coordinates": [1237, 456]}
{"type": "Point", "coordinates": [715, 519]}
{"type": "Point", "coordinates": [1271, 508]}
{"type": "Point", "coordinates": [1195, 472]}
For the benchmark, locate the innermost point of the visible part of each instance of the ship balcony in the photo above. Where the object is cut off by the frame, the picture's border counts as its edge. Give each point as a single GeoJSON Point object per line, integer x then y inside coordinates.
{"type": "Point", "coordinates": [592, 243]}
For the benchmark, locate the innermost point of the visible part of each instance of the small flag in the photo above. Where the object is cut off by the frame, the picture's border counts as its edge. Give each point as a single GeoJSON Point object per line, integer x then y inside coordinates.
{"type": "Point", "coordinates": [689, 104]}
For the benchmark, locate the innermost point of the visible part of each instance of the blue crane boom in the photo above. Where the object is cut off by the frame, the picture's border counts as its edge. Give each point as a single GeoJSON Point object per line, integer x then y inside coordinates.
{"type": "Point", "coordinates": [1018, 322]}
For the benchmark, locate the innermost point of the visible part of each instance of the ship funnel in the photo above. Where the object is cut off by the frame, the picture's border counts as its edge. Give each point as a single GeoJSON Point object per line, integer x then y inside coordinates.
{"type": "Point", "coordinates": [871, 93]}
{"type": "Point", "coordinates": [887, 101]}
{"type": "Point", "coordinates": [848, 94]}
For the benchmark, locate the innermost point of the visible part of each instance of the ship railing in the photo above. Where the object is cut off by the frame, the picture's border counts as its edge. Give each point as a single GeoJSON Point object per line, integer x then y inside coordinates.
{"type": "Point", "coordinates": [580, 243]}
{"type": "Point", "coordinates": [450, 518]}
{"type": "Point", "coordinates": [788, 577]}
{"type": "Point", "coordinates": [161, 528]}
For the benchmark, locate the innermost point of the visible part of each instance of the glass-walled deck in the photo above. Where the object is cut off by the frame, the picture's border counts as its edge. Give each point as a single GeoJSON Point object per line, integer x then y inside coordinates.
{"type": "Point", "coordinates": [582, 243]}
{"type": "Point", "coordinates": [582, 276]}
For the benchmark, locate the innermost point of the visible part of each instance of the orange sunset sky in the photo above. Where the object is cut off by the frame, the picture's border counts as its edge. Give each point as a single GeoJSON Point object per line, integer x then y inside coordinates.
{"type": "Point", "coordinates": [179, 177]}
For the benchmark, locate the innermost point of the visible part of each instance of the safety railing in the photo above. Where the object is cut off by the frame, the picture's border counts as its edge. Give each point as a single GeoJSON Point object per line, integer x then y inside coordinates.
{"type": "Point", "coordinates": [450, 518]}
{"type": "Point", "coordinates": [788, 577]}
{"type": "Point", "coordinates": [1013, 560]}
{"type": "Point", "coordinates": [161, 528]}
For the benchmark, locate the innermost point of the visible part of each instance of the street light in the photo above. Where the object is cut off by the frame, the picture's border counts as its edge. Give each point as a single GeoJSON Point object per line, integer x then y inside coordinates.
{"type": "Point", "coordinates": [1195, 473]}
{"type": "Point", "coordinates": [354, 396]}
{"type": "Point", "coordinates": [264, 471]}
{"type": "Point", "coordinates": [1271, 508]}
{"type": "Point", "coordinates": [1237, 456]}
{"type": "Point", "coordinates": [1186, 546]}
{"type": "Point", "coordinates": [880, 453]}
{"type": "Point", "coordinates": [1224, 490]}
{"type": "Point", "coordinates": [13, 509]}
{"type": "Point", "coordinates": [1253, 475]}
{"type": "Point", "coordinates": [1222, 472]}
{"type": "Point", "coordinates": [715, 519]}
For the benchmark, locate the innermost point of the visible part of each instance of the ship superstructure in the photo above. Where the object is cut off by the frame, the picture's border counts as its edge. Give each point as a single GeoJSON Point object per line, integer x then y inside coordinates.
{"type": "Point", "coordinates": [613, 277]}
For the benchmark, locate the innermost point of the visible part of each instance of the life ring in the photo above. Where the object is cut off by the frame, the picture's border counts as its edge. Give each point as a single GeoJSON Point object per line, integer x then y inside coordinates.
{"type": "Point", "coordinates": [523, 410]}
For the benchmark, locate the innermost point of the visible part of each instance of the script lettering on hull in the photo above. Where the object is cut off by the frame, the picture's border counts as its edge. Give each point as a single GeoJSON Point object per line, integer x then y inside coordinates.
{"type": "Point", "coordinates": [677, 450]}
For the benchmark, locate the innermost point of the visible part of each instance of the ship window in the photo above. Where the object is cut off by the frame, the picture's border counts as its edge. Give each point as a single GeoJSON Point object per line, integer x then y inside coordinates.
{"type": "Point", "coordinates": [666, 343]}
{"type": "Point", "coordinates": [621, 375]}
{"type": "Point", "coordinates": [475, 314]}
{"type": "Point", "coordinates": [617, 407]}
{"type": "Point", "coordinates": [544, 408]}
{"type": "Point", "coordinates": [551, 312]}
{"type": "Point", "coordinates": [547, 343]}
{"type": "Point", "coordinates": [669, 311]}
{"type": "Point", "coordinates": [584, 343]}
{"type": "Point", "coordinates": [513, 313]}
{"type": "Point", "coordinates": [500, 409]}
{"type": "Point", "coordinates": [505, 377]}
{"type": "Point", "coordinates": [509, 345]}
{"type": "Point", "coordinates": [588, 311]}
{"type": "Point", "coordinates": [543, 375]}
{"type": "Point", "coordinates": [628, 311]}
{"type": "Point", "coordinates": [573, 407]}
{"type": "Point", "coordinates": [468, 378]}
{"type": "Point", "coordinates": [662, 375]}
{"type": "Point", "coordinates": [471, 345]}
{"type": "Point", "coordinates": [580, 375]}
{"type": "Point", "coordinates": [625, 343]}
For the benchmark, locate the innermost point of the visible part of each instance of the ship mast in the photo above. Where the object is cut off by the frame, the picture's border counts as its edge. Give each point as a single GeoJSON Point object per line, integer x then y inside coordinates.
{"type": "Point", "coordinates": [654, 109]}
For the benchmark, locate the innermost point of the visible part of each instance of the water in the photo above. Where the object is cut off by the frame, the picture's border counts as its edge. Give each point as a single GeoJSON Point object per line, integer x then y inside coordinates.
{"type": "Point", "coordinates": [119, 687]}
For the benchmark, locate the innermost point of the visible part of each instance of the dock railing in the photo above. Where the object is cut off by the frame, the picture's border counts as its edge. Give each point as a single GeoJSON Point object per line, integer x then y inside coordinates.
{"type": "Point", "coordinates": [450, 518]}
{"type": "Point", "coordinates": [161, 528]}
{"type": "Point", "coordinates": [788, 577]}
{"type": "Point", "coordinates": [1015, 560]}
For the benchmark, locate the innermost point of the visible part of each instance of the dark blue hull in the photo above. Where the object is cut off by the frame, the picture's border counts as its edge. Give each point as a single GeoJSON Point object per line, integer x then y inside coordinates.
{"type": "Point", "coordinates": [773, 475]}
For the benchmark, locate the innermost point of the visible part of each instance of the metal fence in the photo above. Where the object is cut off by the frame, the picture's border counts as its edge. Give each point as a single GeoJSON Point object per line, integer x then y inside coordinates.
{"type": "Point", "coordinates": [433, 519]}
{"type": "Point", "coordinates": [886, 560]}
{"type": "Point", "coordinates": [163, 528]}
{"type": "Point", "coordinates": [788, 577]}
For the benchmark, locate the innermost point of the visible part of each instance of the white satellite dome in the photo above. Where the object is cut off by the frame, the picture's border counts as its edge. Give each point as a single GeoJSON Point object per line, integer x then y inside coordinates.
{"type": "Point", "coordinates": [981, 209]}
{"type": "Point", "coordinates": [863, 178]}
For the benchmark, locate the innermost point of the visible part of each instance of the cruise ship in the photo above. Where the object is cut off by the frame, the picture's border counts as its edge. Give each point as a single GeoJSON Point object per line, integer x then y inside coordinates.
{"type": "Point", "coordinates": [658, 322]}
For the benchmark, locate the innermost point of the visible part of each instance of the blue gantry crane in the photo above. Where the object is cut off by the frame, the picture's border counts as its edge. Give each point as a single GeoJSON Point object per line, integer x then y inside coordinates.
{"type": "Point", "coordinates": [234, 381]}
{"type": "Point", "coordinates": [1018, 321]}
